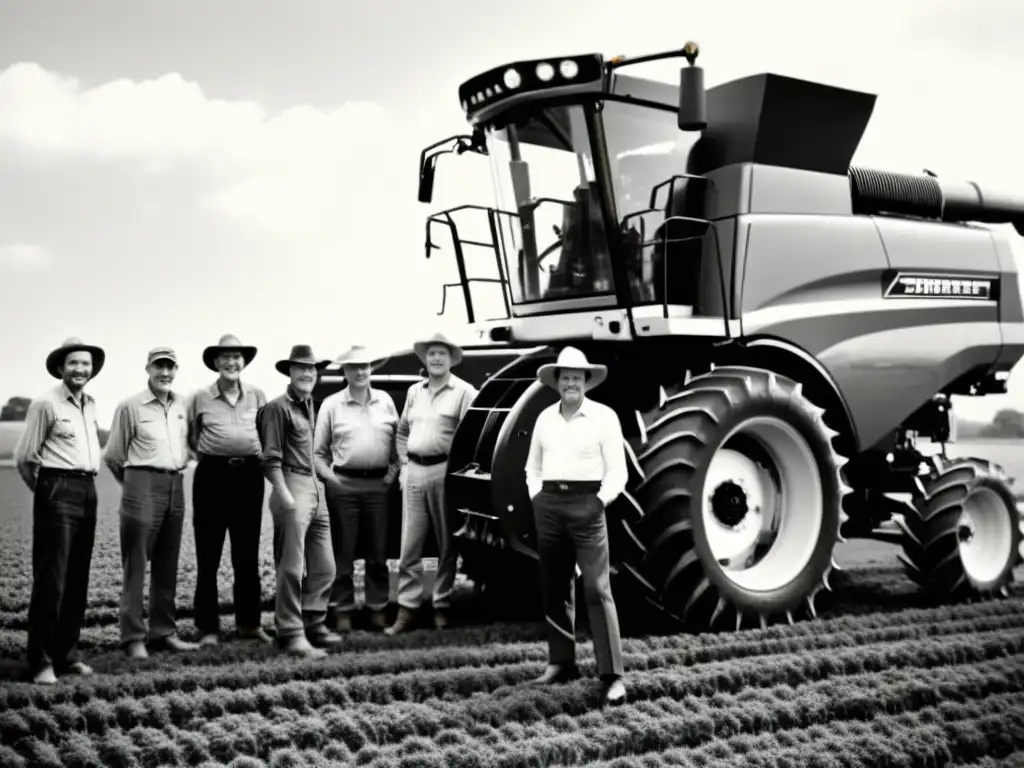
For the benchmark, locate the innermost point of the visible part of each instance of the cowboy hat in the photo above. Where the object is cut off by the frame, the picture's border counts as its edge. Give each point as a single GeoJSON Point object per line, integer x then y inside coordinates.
{"type": "Point", "coordinates": [55, 359]}
{"type": "Point", "coordinates": [421, 347]}
{"type": "Point", "coordinates": [302, 354]}
{"type": "Point", "coordinates": [570, 357]}
{"type": "Point", "coordinates": [228, 343]}
{"type": "Point", "coordinates": [358, 355]}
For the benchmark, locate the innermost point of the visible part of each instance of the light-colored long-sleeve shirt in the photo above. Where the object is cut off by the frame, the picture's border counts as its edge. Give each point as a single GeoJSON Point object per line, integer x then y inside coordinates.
{"type": "Point", "coordinates": [59, 434]}
{"type": "Point", "coordinates": [429, 421]}
{"type": "Point", "coordinates": [145, 433]}
{"type": "Point", "coordinates": [350, 435]}
{"type": "Point", "coordinates": [587, 447]}
{"type": "Point", "coordinates": [218, 428]}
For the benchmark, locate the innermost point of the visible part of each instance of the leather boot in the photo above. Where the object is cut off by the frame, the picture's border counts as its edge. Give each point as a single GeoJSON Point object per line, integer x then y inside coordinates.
{"type": "Point", "coordinates": [403, 621]}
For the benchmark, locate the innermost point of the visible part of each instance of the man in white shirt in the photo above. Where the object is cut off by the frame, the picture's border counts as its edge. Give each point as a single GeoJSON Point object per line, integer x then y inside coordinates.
{"type": "Point", "coordinates": [576, 468]}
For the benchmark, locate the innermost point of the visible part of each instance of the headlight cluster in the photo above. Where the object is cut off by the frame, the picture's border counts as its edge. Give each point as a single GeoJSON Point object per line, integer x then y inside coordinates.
{"type": "Point", "coordinates": [528, 76]}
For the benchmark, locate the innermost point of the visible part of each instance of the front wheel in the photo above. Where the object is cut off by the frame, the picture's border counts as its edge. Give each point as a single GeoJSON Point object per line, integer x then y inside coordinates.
{"type": "Point", "coordinates": [742, 497]}
{"type": "Point", "coordinates": [962, 536]}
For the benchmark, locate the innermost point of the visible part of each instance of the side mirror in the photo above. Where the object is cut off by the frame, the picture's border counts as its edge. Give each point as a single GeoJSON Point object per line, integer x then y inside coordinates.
{"type": "Point", "coordinates": [427, 169]}
{"type": "Point", "coordinates": [692, 96]}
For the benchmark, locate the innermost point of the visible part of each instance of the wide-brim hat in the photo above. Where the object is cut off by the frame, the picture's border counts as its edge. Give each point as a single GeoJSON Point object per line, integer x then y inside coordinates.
{"type": "Point", "coordinates": [55, 359]}
{"type": "Point", "coordinates": [227, 343]}
{"type": "Point", "coordinates": [570, 357]}
{"type": "Point", "coordinates": [302, 354]}
{"type": "Point", "coordinates": [360, 355]}
{"type": "Point", "coordinates": [420, 348]}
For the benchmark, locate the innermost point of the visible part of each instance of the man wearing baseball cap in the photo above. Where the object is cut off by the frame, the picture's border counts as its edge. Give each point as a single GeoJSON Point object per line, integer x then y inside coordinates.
{"type": "Point", "coordinates": [147, 453]}
{"type": "Point", "coordinates": [58, 457]}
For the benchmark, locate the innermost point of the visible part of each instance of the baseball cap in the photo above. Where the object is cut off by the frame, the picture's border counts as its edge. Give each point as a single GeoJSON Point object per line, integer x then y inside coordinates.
{"type": "Point", "coordinates": [162, 353]}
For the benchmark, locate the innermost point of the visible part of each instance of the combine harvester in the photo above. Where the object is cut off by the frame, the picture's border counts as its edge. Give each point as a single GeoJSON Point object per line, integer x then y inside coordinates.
{"type": "Point", "coordinates": [780, 328]}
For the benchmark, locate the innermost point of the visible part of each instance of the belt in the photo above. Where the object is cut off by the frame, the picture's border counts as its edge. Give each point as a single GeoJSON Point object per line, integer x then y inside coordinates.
{"type": "Point", "coordinates": [382, 472]}
{"type": "Point", "coordinates": [428, 461]}
{"type": "Point", "coordinates": [67, 472]}
{"type": "Point", "coordinates": [296, 470]}
{"type": "Point", "coordinates": [231, 461]}
{"type": "Point", "coordinates": [571, 486]}
{"type": "Point", "coordinates": [158, 470]}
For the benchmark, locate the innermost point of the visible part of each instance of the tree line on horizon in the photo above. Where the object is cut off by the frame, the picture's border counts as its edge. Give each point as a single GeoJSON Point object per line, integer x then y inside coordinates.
{"type": "Point", "coordinates": [1006, 424]}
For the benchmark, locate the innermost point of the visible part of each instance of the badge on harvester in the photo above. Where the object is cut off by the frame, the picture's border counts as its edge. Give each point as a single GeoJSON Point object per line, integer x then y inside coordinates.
{"type": "Point", "coordinates": [923, 285]}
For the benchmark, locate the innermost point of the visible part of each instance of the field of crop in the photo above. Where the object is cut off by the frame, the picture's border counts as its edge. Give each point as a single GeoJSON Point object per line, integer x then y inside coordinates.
{"type": "Point", "coordinates": [882, 678]}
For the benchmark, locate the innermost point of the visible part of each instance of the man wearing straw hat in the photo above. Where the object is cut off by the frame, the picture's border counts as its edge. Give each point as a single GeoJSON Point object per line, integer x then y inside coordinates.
{"type": "Point", "coordinates": [227, 489]}
{"type": "Point", "coordinates": [356, 458]}
{"type": "Point", "coordinates": [575, 468]}
{"type": "Point", "coordinates": [58, 457]}
{"type": "Point", "coordinates": [147, 453]}
{"type": "Point", "coordinates": [432, 412]}
{"type": "Point", "coordinates": [302, 531]}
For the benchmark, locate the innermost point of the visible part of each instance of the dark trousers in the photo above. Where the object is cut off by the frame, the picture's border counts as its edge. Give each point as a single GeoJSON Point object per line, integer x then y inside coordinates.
{"type": "Point", "coordinates": [359, 507]}
{"type": "Point", "coordinates": [227, 499]}
{"type": "Point", "coordinates": [571, 530]}
{"type": "Point", "coordinates": [63, 530]}
{"type": "Point", "coordinates": [152, 516]}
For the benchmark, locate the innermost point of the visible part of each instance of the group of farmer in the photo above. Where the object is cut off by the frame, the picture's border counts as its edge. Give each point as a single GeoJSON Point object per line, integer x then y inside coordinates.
{"type": "Point", "coordinates": [351, 450]}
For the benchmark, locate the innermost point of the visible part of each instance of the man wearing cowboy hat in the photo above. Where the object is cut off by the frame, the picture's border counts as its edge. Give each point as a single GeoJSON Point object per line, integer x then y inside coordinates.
{"type": "Point", "coordinates": [147, 453]}
{"type": "Point", "coordinates": [58, 457]}
{"type": "Point", "coordinates": [356, 458]}
{"type": "Point", "coordinates": [576, 468]}
{"type": "Point", "coordinates": [433, 410]}
{"type": "Point", "coordinates": [302, 529]}
{"type": "Point", "coordinates": [227, 489]}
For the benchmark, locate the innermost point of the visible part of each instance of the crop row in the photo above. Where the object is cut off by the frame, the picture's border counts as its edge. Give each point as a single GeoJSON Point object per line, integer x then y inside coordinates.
{"type": "Point", "coordinates": [528, 712]}
{"type": "Point", "coordinates": [462, 672]}
{"type": "Point", "coordinates": [690, 731]}
{"type": "Point", "coordinates": [255, 664]}
{"type": "Point", "coordinates": [104, 596]}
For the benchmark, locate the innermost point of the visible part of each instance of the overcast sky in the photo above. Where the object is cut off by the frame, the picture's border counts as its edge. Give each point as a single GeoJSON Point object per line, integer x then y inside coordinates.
{"type": "Point", "coordinates": [170, 172]}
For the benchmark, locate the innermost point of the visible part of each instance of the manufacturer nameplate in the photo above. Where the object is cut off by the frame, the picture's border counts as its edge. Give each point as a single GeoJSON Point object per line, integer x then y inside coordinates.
{"type": "Point", "coordinates": [923, 285]}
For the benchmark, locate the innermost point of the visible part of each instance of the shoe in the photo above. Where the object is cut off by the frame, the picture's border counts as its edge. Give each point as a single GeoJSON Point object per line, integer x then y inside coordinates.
{"type": "Point", "coordinates": [211, 638]}
{"type": "Point", "coordinates": [440, 618]}
{"type": "Point", "coordinates": [323, 638]}
{"type": "Point", "coordinates": [137, 650]}
{"type": "Point", "coordinates": [379, 619]}
{"type": "Point", "coordinates": [256, 633]}
{"type": "Point", "coordinates": [301, 647]}
{"type": "Point", "coordinates": [615, 693]}
{"type": "Point", "coordinates": [556, 674]}
{"type": "Point", "coordinates": [172, 643]}
{"type": "Point", "coordinates": [403, 621]}
{"type": "Point", "coordinates": [343, 622]}
{"type": "Point", "coordinates": [45, 676]}
{"type": "Point", "coordinates": [79, 668]}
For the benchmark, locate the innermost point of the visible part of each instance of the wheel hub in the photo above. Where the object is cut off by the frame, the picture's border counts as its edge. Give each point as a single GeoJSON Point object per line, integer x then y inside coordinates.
{"type": "Point", "coordinates": [729, 503]}
{"type": "Point", "coordinates": [984, 535]}
{"type": "Point", "coordinates": [762, 504]}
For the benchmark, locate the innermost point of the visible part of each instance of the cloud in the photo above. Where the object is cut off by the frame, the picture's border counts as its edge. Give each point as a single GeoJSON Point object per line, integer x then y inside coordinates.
{"type": "Point", "coordinates": [302, 172]}
{"type": "Point", "coordinates": [24, 256]}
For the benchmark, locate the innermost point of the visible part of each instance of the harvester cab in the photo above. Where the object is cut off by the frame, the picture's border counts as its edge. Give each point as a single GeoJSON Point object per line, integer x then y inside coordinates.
{"type": "Point", "coordinates": [783, 332]}
{"type": "Point", "coordinates": [589, 167]}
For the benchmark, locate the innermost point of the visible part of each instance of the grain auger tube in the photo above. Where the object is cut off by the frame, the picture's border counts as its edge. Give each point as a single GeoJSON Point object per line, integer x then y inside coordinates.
{"type": "Point", "coordinates": [784, 333]}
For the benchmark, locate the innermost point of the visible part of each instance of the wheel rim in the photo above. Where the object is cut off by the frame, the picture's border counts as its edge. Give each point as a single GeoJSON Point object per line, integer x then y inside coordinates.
{"type": "Point", "coordinates": [780, 487]}
{"type": "Point", "coordinates": [985, 535]}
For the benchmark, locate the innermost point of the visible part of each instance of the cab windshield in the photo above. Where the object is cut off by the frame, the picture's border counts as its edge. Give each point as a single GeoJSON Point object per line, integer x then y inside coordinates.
{"type": "Point", "coordinates": [555, 247]}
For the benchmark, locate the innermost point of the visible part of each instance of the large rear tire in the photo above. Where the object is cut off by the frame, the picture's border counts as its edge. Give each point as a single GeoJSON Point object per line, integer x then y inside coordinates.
{"type": "Point", "coordinates": [742, 493]}
{"type": "Point", "coordinates": [962, 536]}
